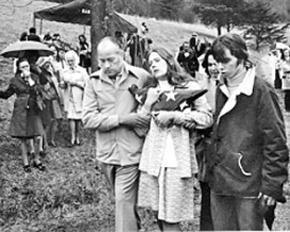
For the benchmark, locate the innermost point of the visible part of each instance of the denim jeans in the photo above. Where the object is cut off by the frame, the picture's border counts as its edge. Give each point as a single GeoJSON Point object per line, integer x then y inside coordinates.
{"type": "Point", "coordinates": [234, 213]}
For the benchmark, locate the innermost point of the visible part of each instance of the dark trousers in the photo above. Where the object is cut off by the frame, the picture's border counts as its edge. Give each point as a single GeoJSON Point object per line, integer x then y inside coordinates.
{"type": "Point", "coordinates": [278, 81]}
{"type": "Point", "coordinates": [205, 222]}
{"type": "Point", "coordinates": [287, 100]}
{"type": "Point", "coordinates": [233, 213]}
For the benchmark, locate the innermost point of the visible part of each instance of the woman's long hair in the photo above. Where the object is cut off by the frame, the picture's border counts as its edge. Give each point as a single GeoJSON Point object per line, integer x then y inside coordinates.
{"type": "Point", "coordinates": [175, 74]}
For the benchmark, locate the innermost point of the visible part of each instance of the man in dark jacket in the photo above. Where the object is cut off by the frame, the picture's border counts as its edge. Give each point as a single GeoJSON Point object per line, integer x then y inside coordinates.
{"type": "Point", "coordinates": [248, 158]}
{"type": "Point", "coordinates": [32, 35]}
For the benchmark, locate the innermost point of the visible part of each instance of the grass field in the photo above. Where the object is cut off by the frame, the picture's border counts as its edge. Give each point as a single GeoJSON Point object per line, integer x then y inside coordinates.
{"type": "Point", "coordinates": [72, 195]}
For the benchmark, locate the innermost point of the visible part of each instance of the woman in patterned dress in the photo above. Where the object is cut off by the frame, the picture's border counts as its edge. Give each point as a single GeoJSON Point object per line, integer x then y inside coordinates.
{"type": "Point", "coordinates": [168, 164]}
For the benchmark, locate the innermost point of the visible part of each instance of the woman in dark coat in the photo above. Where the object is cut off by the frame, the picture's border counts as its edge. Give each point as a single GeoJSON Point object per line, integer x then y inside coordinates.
{"type": "Point", "coordinates": [85, 60]}
{"type": "Point", "coordinates": [25, 122]}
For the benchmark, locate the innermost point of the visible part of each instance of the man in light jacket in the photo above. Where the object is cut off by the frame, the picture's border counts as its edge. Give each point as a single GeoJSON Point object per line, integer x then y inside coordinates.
{"type": "Point", "coordinates": [248, 158]}
{"type": "Point", "coordinates": [110, 109]}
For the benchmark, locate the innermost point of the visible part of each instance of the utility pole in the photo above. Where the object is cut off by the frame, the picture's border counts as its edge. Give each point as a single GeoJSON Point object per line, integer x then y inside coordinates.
{"type": "Point", "coordinates": [98, 30]}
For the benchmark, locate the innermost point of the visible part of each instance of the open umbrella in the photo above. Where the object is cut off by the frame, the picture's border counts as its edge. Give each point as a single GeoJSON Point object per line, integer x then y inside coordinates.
{"type": "Point", "coordinates": [18, 48]}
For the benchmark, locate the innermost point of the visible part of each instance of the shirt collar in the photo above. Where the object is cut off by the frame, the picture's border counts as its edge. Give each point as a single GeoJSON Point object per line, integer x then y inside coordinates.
{"type": "Point", "coordinates": [246, 87]}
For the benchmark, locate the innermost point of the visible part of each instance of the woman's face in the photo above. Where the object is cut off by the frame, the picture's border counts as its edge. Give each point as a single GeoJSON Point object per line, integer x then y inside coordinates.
{"type": "Point", "coordinates": [71, 62]}
{"type": "Point", "coordinates": [82, 39]}
{"type": "Point", "coordinates": [48, 66]}
{"type": "Point", "coordinates": [53, 49]}
{"type": "Point", "coordinates": [158, 66]}
{"type": "Point", "coordinates": [61, 54]}
{"type": "Point", "coordinates": [286, 53]}
{"type": "Point", "coordinates": [212, 67]}
{"type": "Point", "coordinates": [24, 66]}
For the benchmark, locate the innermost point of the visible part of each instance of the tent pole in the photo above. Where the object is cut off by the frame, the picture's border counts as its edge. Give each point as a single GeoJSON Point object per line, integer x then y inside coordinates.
{"type": "Point", "coordinates": [98, 13]}
{"type": "Point", "coordinates": [41, 25]}
{"type": "Point", "coordinates": [34, 21]}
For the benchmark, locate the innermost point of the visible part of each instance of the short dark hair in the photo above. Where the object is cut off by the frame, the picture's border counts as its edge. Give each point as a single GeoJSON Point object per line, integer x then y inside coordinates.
{"type": "Point", "coordinates": [32, 30]}
{"type": "Point", "coordinates": [235, 44]}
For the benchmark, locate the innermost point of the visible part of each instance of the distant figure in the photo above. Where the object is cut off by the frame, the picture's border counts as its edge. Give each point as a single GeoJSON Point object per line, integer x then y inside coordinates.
{"type": "Point", "coordinates": [47, 38]}
{"type": "Point", "coordinates": [286, 78]}
{"type": "Point", "coordinates": [85, 55]}
{"type": "Point", "coordinates": [73, 83]}
{"type": "Point", "coordinates": [144, 28]}
{"type": "Point", "coordinates": [187, 58]}
{"type": "Point", "coordinates": [261, 58]}
{"type": "Point", "coordinates": [196, 45]}
{"type": "Point", "coordinates": [23, 36]}
{"type": "Point", "coordinates": [278, 68]}
{"type": "Point", "coordinates": [120, 38]}
{"type": "Point", "coordinates": [32, 35]}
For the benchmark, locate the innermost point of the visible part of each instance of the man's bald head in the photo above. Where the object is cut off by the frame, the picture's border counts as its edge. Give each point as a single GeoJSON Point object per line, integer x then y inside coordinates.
{"type": "Point", "coordinates": [109, 43]}
{"type": "Point", "coordinates": [110, 56]}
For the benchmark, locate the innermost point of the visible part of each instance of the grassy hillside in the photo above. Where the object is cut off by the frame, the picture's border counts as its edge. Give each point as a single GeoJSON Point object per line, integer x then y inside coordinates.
{"type": "Point", "coordinates": [72, 195]}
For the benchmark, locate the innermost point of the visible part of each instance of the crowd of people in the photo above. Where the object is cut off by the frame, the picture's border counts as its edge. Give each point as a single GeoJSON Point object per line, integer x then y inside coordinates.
{"type": "Point", "coordinates": [151, 145]}
{"type": "Point", "coordinates": [163, 125]}
{"type": "Point", "coordinates": [48, 90]}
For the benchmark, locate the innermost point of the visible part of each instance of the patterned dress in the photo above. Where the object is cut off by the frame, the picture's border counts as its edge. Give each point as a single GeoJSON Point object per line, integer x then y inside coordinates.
{"type": "Point", "coordinates": [168, 190]}
{"type": "Point", "coordinates": [168, 164]}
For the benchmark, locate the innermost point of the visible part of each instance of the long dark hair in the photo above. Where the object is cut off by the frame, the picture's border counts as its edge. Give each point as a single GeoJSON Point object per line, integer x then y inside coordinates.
{"type": "Point", "coordinates": [57, 51]}
{"type": "Point", "coordinates": [175, 74]}
{"type": "Point", "coordinates": [205, 61]}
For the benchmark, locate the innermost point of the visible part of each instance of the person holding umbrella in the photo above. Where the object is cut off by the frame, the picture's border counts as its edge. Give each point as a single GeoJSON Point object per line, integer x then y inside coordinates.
{"type": "Point", "coordinates": [25, 122]}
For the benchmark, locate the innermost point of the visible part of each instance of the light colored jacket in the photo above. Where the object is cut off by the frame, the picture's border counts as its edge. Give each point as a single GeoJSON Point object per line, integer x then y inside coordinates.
{"type": "Point", "coordinates": [183, 141]}
{"type": "Point", "coordinates": [103, 103]}
{"type": "Point", "coordinates": [74, 93]}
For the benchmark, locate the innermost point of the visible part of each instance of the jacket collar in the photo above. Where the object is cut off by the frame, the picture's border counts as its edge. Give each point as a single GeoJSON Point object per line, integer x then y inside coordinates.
{"type": "Point", "coordinates": [246, 88]}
